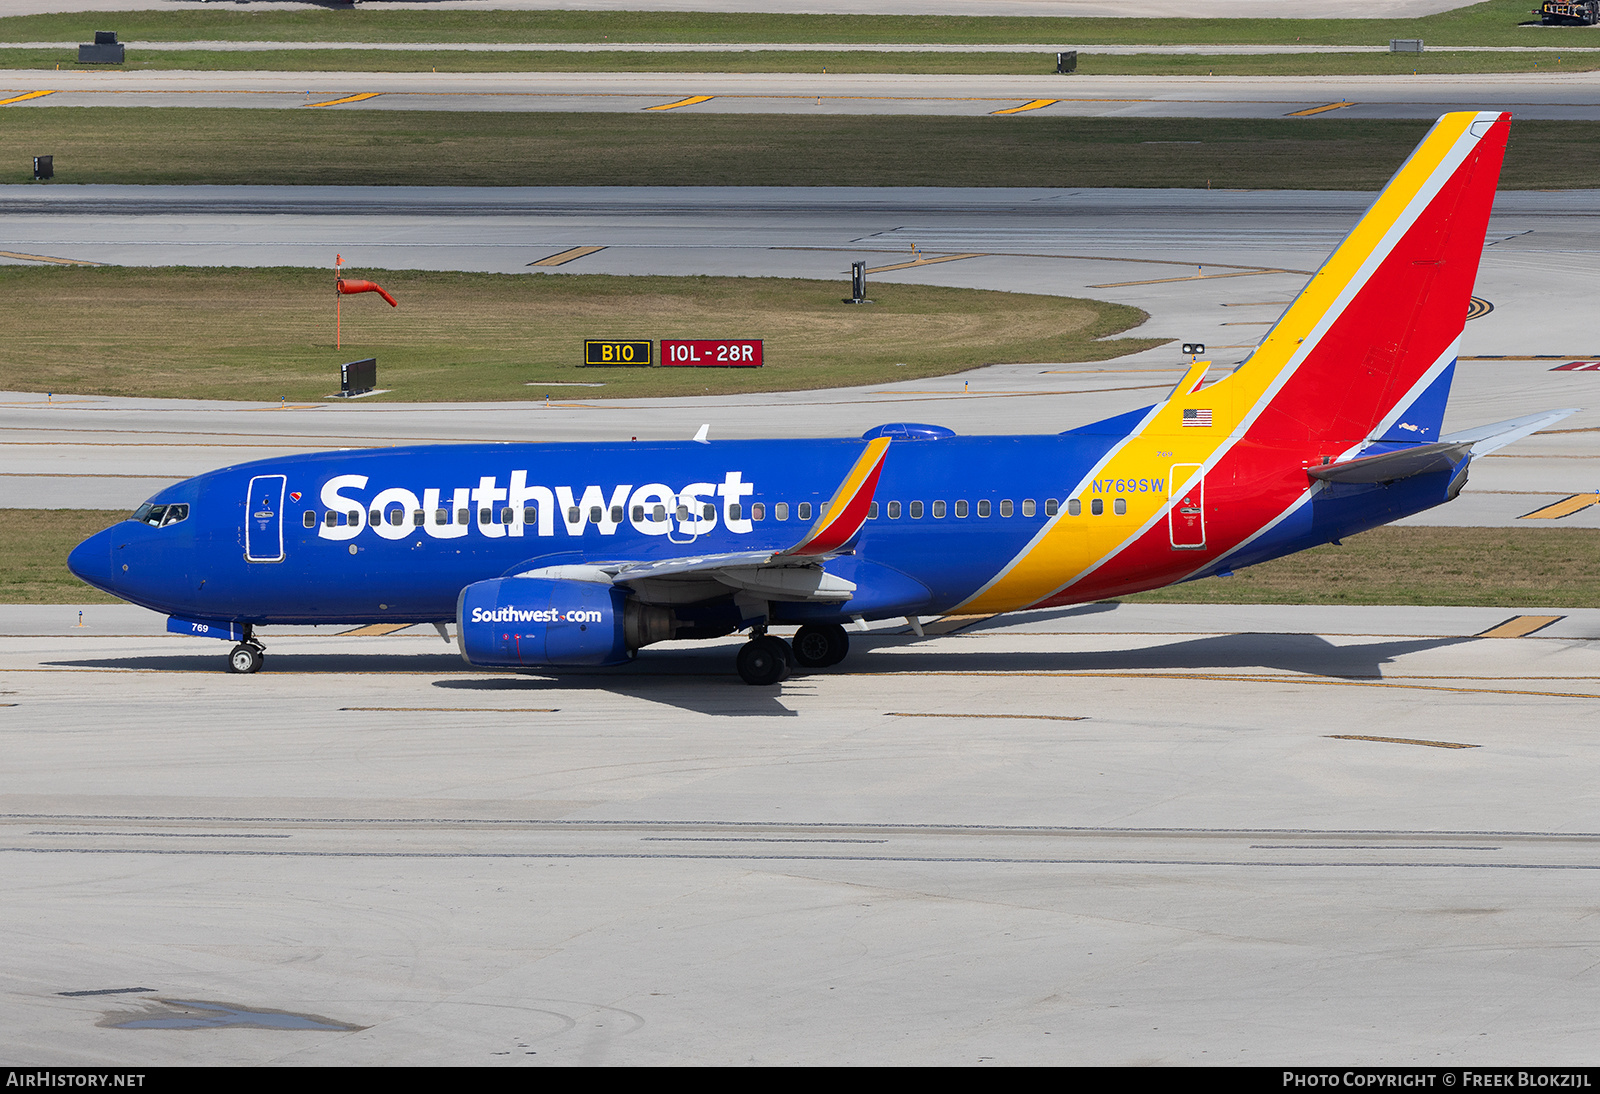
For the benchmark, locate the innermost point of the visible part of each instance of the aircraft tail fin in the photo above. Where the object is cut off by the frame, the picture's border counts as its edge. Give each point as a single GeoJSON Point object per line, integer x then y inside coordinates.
{"type": "Point", "coordinates": [1367, 349]}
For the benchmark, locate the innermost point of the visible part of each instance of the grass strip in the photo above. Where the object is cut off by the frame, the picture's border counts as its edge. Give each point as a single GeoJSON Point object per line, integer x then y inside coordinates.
{"type": "Point", "coordinates": [1477, 567]}
{"type": "Point", "coordinates": [34, 544]}
{"type": "Point", "coordinates": [840, 62]}
{"type": "Point", "coordinates": [1496, 22]}
{"type": "Point", "coordinates": [1469, 567]}
{"type": "Point", "coordinates": [341, 146]}
{"type": "Point", "coordinates": [268, 334]}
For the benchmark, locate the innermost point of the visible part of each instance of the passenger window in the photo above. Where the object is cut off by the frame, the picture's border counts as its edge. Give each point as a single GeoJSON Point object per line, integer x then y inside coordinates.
{"type": "Point", "coordinates": [872, 511]}
{"type": "Point", "coordinates": [938, 510]}
{"type": "Point", "coordinates": [780, 511]}
{"type": "Point", "coordinates": [594, 514]}
{"type": "Point", "coordinates": [330, 518]}
{"type": "Point", "coordinates": [573, 513]}
{"type": "Point", "coordinates": [1074, 507]}
{"type": "Point", "coordinates": [709, 512]}
{"type": "Point", "coordinates": [1096, 507]}
{"type": "Point", "coordinates": [463, 516]}
{"type": "Point", "coordinates": [638, 513]}
{"type": "Point", "coordinates": [983, 508]}
{"type": "Point", "coordinates": [1120, 506]}
{"type": "Point", "coordinates": [916, 510]}
{"type": "Point", "coordinates": [441, 516]}
{"type": "Point", "coordinates": [758, 511]}
{"type": "Point", "coordinates": [683, 512]}
{"type": "Point", "coordinates": [616, 514]}
{"type": "Point", "coordinates": [1050, 507]}
{"type": "Point", "coordinates": [660, 513]}
{"type": "Point", "coordinates": [396, 516]}
{"type": "Point", "coordinates": [1027, 507]}
{"type": "Point", "coordinates": [419, 518]}
{"type": "Point", "coordinates": [530, 514]}
{"type": "Point", "coordinates": [894, 510]}
{"type": "Point", "coordinates": [1005, 508]}
{"type": "Point", "coordinates": [961, 508]}
{"type": "Point", "coordinates": [310, 519]}
{"type": "Point", "coordinates": [805, 510]}
{"type": "Point", "coordinates": [355, 518]}
{"type": "Point", "coordinates": [375, 517]}
{"type": "Point", "coordinates": [734, 512]}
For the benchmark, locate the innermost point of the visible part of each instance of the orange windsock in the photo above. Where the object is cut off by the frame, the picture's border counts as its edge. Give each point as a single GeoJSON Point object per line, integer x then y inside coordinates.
{"type": "Point", "coordinates": [348, 285]}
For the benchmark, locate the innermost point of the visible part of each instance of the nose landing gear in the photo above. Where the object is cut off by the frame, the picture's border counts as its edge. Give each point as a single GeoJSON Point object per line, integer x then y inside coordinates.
{"type": "Point", "coordinates": [247, 656]}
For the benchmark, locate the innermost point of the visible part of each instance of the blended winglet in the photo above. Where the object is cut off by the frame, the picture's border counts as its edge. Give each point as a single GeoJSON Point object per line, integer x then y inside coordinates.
{"type": "Point", "coordinates": [841, 519]}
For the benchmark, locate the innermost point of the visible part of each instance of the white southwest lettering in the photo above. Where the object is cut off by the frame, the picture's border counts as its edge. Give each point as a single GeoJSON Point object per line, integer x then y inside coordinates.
{"type": "Point", "coordinates": [341, 494]}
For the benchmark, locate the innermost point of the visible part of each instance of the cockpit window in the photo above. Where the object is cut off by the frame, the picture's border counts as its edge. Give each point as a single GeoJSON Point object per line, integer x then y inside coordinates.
{"type": "Point", "coordinates": [160, 516]}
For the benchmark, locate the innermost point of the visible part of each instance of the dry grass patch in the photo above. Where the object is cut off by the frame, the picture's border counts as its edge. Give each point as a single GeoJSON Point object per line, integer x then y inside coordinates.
{"type": "Point", "coordinates": [269, 334]}
{"type": "Point", "coordinates": [1487, 567]}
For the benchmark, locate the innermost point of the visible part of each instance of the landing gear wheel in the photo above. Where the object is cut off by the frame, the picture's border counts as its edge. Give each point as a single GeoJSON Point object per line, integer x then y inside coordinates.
{"type": "Point", "coordinates": [764, 661]}
{"type": "Point", "coordinates": [820, 645]}
{"type": "Point", "coordinates": [245, 658]}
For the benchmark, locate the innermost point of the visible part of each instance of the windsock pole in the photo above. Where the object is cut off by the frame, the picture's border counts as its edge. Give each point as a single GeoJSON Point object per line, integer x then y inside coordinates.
{"type": "Point", "coordinates": [338, 303]}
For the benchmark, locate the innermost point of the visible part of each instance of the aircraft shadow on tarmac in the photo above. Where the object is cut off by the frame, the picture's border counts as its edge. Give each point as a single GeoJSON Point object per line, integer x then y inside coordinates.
{"type": "Point", "coordinates": [1304, 653]}
{"type": "Point", "coordinates": [702, 679]}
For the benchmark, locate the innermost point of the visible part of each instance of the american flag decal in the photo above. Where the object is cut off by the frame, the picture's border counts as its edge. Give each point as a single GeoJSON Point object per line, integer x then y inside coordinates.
{"type": "Point", "coordinates": [1197, 417]}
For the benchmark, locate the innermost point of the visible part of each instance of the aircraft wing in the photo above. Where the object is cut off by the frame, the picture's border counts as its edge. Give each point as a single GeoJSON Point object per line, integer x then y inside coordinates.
{"type": "Point", "coordinates": [1489, 438]}
{"type": "Point", "coordinates": [794, 573]}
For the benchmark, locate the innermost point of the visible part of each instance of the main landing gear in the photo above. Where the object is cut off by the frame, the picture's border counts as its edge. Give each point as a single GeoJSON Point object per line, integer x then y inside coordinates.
{"type": "Point", "coordinates": [247, 655]}
{"type": "Point", "coordinates": [766, 659]}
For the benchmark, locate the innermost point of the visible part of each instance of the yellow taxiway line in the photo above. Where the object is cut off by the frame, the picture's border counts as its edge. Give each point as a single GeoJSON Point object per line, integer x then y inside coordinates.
{"type": "Point", "coordinates": [365, 95]}
{"type": "Point", "coordinates": [1520, 626]}
{"type": "Point", "coordinates": [1563, 508]}
{"type": "Point", "coordinates": [25, 98]}
{"type": "Point", "coordinates": [690, 101]}
{"type": "Point", "coordinates": [566, 256]}
{"type": "Point", "coordinates": [922, 262]}
{"type": "Point", "coordinates": [1317, 110]}
{"type": "Point", "coordinates": [1034, 105]}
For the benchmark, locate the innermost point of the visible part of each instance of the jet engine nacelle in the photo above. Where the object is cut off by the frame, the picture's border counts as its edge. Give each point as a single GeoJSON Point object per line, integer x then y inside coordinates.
{"type": "Point", "coordinates": [510, 622]}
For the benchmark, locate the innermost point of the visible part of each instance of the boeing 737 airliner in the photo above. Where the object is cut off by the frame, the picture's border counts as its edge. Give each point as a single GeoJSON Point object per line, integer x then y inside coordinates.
{"type": "Point", "coordinates": [557, 555]}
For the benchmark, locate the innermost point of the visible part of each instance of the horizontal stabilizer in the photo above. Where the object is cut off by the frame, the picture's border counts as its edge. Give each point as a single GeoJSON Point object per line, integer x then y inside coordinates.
{"type": "Point", "coordinates": [1488, 438]}
{"type": "Point", "coordinates": [1389, 466]}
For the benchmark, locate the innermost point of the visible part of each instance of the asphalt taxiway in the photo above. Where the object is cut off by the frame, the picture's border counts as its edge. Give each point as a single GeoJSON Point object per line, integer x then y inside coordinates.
{"type": "Point", "coordinates": [1102, 835]}
{"type": "Point", "coordinates": [1561, 97]}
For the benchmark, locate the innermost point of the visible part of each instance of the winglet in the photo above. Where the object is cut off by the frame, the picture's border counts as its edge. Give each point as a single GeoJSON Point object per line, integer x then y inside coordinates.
{"type": "Point", "coordinates": [700, 434]}
{"type": "Point", "coordinates": [842, 518]}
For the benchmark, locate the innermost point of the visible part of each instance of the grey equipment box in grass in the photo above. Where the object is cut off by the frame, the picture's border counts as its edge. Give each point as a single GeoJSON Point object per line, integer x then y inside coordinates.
{"type": "Point", "coordinates": [105, 51]}
{"type": "Point", "coordinates": [1405, 45]}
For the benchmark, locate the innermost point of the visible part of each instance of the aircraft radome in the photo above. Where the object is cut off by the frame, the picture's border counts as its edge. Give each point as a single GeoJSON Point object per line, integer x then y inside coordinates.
{"type": "Point", "coordinates": [549, 556]}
